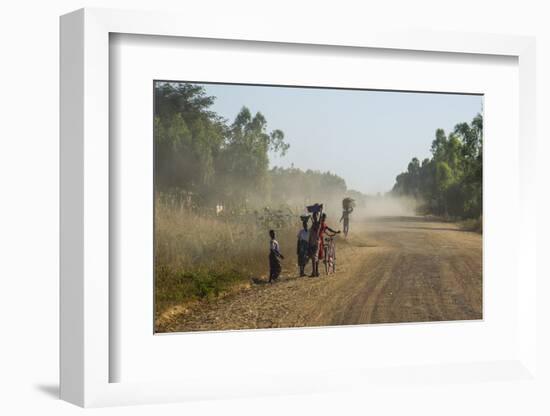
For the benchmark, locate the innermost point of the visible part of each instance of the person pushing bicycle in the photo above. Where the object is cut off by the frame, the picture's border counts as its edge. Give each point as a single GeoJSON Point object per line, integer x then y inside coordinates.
{"type": "Point", "coordinates": [323, 228]}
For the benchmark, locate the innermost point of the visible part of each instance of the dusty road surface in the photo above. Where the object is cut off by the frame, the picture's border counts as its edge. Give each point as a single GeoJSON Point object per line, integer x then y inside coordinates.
{"type": "Point", "coordinates": [390, 269]}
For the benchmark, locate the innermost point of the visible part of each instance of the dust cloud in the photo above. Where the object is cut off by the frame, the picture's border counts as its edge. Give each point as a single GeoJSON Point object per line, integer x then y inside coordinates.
{"type": "Point", "coordinates": [366, 206]}
{"type": "Point", "coordinates": [385, 206]}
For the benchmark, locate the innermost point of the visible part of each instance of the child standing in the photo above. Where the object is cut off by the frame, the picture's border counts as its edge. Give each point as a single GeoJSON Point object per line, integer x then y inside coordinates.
{"type": "Point", "coordinates": [274, 258]}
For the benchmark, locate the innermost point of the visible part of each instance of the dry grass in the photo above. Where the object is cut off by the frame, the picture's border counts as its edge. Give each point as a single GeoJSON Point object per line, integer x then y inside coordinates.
{"type": "Point", "coordinates": [200, 257]}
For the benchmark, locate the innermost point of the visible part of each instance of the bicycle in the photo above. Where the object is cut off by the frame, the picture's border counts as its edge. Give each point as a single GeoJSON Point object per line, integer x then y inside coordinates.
{"type": "Point", "coordinates": [329, 258]}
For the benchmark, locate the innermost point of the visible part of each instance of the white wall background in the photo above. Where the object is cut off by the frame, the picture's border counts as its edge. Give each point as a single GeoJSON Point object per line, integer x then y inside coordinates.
{"type": "Point", "coordinates": [29, 205]}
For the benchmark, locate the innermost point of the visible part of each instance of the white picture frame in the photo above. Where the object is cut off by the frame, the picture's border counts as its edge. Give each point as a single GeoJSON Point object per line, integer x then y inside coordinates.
{"type": "Point", "coordinates": [85, 355]}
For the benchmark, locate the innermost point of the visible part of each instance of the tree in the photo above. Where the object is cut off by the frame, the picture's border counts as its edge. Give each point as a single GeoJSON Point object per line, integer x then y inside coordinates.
{"type": "Point", "coordinates": [197, 152]}
{"type": "Point", "coordinates": [450, 183]}
{"type": "Point", "coordinates": [187, 137]}
{"type": "Point", "coordinates": [244, 161]}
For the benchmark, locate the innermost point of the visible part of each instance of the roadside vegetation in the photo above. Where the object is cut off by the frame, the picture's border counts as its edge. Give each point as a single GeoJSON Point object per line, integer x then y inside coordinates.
{"type": "Point", "coordinates": [449, 184]}
{"type": "Point", "coordinates": [472, 224]}
{"type": "Point", "coordinates": [199, 256]}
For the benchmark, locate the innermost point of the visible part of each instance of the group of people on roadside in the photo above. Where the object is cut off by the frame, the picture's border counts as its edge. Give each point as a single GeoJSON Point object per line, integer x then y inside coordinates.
{"type": "Point", "coordinates": [310, 243]}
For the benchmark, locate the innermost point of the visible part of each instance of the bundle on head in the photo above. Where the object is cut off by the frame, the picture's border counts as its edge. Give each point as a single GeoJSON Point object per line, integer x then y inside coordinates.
{"type": "Point", "coordinates": [314, 208]}
{"type": "Point", "coordinates": [348, 203]}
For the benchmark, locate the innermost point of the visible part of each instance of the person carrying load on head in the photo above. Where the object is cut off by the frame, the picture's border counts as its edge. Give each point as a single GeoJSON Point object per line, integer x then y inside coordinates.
{"type": "Point", "coordinates": [347, 206]}
{"type": "Point", "coordinates": [313, 246]}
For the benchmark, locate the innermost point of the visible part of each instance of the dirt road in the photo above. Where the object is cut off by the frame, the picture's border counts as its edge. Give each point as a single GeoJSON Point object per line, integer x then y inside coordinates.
{"type": "Point", "coordinates": [395, 269]}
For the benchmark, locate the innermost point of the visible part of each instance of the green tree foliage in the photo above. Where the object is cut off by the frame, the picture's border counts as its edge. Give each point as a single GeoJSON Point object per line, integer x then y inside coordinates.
{"type": "Point", "coordinates": [244, 162]}
{"type": "Point", "coordinates": [200, 154]}
{"type": "Point", "coordinates": [187, 137]}
{"type": "Point", "coordinates": [450, 183]}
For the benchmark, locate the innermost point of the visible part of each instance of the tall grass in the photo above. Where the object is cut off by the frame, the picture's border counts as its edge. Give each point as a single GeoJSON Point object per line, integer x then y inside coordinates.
{"type": "Point", "coordinates": [200, 256]}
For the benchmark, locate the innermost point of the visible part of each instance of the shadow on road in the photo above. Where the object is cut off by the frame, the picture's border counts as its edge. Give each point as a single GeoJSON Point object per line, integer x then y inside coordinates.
{"type": "Point", "coordinates": [399, 222]}
{"type": "Point", "coordinates": [401, 218]}
{"type": "Point", "coordinates": [284, 278]}
{"type": "Point", "coordinates": [433, 229]}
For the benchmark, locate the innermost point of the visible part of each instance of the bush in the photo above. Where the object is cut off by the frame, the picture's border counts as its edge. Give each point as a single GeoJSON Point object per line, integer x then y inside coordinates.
{"type": "Point", "coordinates": [474, 224]}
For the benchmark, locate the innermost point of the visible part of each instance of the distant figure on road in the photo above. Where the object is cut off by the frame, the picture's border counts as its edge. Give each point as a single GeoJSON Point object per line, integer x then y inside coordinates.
{"type": "Point", "coordinates": [302, 245]}
{"type": "Point", "coordinates": [345, 218]}
{"type": "Point", "coordinates": [274, 258]}
{"type": "Point", "coordinates": [347, 205]}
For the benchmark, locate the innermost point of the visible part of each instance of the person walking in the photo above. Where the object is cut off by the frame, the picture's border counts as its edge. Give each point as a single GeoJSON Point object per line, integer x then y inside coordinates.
{"type": "Point", "coordinates": [347, 205]}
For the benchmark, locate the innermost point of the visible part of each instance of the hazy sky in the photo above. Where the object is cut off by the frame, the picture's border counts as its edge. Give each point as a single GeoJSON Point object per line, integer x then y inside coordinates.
{"type": "Point", "coordinates": [366, 137]}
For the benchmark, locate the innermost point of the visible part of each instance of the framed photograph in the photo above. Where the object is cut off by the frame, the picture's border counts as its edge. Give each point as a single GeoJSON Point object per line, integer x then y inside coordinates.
{"type": "Point", "coordinates": [269, 213]}
{"type": "Point", "coordinates": [382, 241]}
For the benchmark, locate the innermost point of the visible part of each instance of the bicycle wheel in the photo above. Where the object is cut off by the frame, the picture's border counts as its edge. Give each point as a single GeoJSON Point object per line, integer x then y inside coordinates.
{"type": "Point", "coordinates": [333, 258]}
{"type": "Point", "coordinates": [326, 256]}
